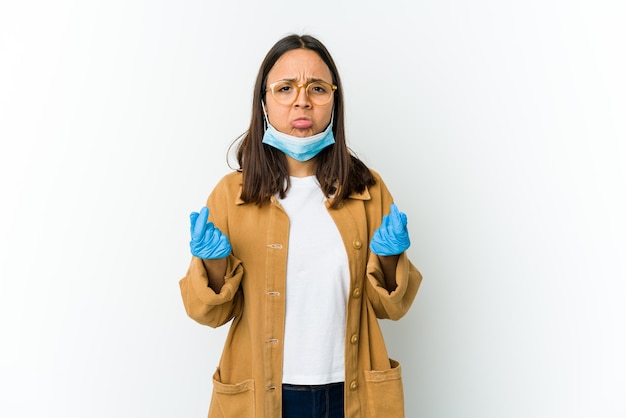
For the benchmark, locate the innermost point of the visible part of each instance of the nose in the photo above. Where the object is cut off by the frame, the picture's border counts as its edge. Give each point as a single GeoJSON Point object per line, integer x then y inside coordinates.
{"type": "Point", "coordinates": [302, 100]}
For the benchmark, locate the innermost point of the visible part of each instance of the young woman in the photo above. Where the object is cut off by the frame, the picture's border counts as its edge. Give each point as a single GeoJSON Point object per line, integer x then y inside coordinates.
{"type": "Point", "coordinates": [303, 249]}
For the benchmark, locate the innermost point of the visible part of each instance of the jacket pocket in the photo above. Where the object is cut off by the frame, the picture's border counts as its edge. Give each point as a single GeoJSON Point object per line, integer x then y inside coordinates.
{"type": "Point", "coordinates": [385, 396]}
{"type": "Point", "coordinates": [232, 400]}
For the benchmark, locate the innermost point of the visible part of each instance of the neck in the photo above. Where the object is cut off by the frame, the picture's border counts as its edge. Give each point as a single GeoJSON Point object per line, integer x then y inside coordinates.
{"type": "Point", "coordinates": [301, 168]}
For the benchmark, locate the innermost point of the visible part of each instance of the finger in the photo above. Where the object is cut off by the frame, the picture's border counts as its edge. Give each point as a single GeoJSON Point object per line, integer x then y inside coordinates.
{"type": "Point", "coordinates": [200, 224]}
{"type": "Point", "coordinates": [192, 219]}
{"type": "Point", "coordinates": [224, 243]}
{"type": "Point", "coordinates": [394, 213]}
{"type": "Point", "coordinates": [211, 235]}
{"type": "Point", "coordinates": [204, 212]}
{"type": "Point", "coordinates": [399, 218]}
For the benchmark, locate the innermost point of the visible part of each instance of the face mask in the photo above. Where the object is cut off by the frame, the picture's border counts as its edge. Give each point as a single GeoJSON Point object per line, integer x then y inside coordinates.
{"type": "Point", "coordinates": [301, 149]}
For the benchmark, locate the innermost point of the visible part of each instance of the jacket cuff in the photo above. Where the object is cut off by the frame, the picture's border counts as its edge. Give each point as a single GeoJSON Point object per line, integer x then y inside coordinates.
{"type": "Point", "coordinates": [200, 281]}
{"type": "Point", "coordinates": [377, 279]}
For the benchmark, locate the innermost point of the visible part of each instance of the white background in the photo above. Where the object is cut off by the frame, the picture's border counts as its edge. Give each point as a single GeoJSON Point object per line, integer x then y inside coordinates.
{"type": "Point", "coordinates": [499, 127]}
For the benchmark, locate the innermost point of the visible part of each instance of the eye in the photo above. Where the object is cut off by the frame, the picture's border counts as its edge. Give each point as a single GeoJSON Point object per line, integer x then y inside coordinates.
{"type": "Point", "coordinates": [283, 87]}
{"type": "Point", "coordinates": [318, 88]}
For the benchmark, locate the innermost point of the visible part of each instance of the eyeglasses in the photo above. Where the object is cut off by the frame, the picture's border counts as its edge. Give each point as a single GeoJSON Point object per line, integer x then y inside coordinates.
{"type": "Point", "coordinates": [286, 92]}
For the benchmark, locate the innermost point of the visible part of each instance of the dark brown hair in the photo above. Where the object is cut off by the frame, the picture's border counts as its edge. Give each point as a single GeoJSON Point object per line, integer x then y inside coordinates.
{"type": "Point", "coordinates": [264, 167]}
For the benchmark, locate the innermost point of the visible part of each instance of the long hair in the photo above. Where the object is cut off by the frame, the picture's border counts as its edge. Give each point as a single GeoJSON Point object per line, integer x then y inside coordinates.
{"type": "Point", "coordinates": [264, 167]}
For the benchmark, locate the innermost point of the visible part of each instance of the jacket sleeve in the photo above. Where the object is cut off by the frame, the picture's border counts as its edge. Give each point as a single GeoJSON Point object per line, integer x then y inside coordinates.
{"type": "Point", "coordinates": [202, 304]}
{"type": "Point", "coordinates": [205, 306]}
{"type": "Point", "coordinates": [388, 305]}
{"type": "Point", "coordinates": [397, 303]}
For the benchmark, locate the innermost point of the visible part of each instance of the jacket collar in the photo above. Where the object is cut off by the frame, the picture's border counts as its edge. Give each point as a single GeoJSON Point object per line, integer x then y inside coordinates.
{"type": "Point", "coordinates": [238, 201]}
{"type": "Point", "coordinates": [364, 195]}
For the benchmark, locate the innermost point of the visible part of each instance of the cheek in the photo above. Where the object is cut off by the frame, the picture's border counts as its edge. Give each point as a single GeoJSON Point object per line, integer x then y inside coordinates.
{"type": "Point", "coordinates": [275, 115]}
{"type": "Point", "coordinates": [326, 116]}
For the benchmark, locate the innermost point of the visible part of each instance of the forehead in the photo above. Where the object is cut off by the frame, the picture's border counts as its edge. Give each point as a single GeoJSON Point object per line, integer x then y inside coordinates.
{"type": "Point", "coordinates": [299, 64]}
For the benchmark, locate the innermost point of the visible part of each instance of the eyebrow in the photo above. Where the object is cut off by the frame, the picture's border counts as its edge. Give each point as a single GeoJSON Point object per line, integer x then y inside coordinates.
{"type": "Point", "coordinates": [308, 80]}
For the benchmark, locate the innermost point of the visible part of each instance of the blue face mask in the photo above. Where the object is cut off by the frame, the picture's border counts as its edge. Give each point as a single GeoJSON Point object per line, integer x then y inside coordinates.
{"type": "Point", "coordinates": [301, 149]}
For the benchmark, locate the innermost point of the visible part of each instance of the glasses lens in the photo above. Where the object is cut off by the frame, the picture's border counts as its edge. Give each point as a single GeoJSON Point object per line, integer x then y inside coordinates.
{"type": "Point", "coordinates": [319, 92]}
{"type": "Point", "coordinates": [286, 92]}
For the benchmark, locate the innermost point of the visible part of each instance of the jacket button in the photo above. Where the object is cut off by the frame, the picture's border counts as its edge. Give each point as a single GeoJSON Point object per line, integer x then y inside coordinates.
{"type": "Point", "coordinates": [354, 385]}
{"type": "Point", "coordinates": [356, 293]}
{"type": "Point", "coordinates": [357, 244]}
{"type": "Point", "coordinates": [354, 339]}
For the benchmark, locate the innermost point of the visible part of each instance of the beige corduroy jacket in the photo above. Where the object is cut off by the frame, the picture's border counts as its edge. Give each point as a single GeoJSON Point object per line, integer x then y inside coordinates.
{"type": "Point", "coordinates": [247, 383]}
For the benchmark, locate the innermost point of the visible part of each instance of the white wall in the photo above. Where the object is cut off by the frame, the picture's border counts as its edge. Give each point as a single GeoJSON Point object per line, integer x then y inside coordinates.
{"type": "Point", "coordinates": [498, 125]}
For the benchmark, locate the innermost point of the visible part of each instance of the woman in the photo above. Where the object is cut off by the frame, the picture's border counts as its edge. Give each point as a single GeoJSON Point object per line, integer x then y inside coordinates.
{"type": "Point", "coordinates": [303, 252]}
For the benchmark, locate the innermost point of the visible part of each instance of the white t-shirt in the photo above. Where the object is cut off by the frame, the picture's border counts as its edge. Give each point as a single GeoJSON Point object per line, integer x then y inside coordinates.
{"type": "Point", "coordinates": [318, 281]}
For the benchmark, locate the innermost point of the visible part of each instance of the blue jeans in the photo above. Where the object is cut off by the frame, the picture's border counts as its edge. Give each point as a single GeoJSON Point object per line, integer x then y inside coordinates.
{"type": "Point", "coordinates": [313, 401]}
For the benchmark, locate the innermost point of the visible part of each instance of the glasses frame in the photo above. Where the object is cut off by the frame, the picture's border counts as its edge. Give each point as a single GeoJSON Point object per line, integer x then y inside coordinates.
{"type": "Point", "coordinates": [306, 91]}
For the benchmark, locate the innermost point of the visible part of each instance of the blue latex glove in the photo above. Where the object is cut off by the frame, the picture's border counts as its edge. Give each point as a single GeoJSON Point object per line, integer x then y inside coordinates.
{"type": "Point", "coordinates": [207, 241]}
{"type": "Point", "coordinates": [392, 237]}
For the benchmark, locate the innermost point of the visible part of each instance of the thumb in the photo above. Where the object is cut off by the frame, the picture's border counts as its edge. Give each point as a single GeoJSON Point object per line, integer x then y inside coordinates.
{"type": "Point", "coordinates": [199, 223]}
{"type": "Point", "coordinates": [399, 218]}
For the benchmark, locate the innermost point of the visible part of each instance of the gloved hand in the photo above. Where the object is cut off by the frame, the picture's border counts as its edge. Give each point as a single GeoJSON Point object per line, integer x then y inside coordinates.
{"type": "Point", "coordinates": [207, 241]}
{"type": "Point", "coordinates": [392, 236]}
